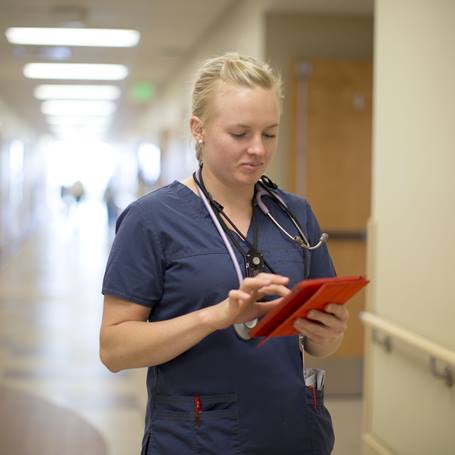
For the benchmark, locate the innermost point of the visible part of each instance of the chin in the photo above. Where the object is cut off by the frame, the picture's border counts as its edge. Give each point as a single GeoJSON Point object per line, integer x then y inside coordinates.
{"type": "Point", "coordinates": [249, 179]}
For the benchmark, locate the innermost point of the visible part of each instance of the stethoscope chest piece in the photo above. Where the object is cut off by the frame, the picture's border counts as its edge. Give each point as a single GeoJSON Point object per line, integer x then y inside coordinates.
{"type": "Point", "coordinates": [243, 330]}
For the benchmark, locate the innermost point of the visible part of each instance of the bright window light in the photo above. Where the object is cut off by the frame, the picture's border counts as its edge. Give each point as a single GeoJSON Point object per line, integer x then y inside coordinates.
{"type": "Point", "coordinates": [97, 37]}
{"type": "Point", "coordinates": [149, 157]}
{"type": "Point", "coordinates": [73, 92]}
{"type": "Point", "coordinates": [83, 71]}
{"type": "Point", "coordinates": [62, 107]}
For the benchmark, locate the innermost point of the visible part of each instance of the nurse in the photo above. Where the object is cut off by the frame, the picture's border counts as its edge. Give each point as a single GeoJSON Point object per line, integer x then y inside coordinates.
{"type": "Point", "coordinates": [172, 295]}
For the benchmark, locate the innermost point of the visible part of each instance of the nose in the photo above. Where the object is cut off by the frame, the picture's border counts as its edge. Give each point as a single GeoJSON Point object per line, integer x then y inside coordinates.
{"type": "Point", "coordinates": [256, 146]}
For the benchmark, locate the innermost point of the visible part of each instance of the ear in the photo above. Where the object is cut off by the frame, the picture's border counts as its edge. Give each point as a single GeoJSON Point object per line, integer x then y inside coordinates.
{"type": "Point", "coordinates": [197, 128]}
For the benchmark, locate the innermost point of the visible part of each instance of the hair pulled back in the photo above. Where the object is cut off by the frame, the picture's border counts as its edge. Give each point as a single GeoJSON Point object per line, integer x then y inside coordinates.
{"type": "Point", "coordinates": [230, 68]}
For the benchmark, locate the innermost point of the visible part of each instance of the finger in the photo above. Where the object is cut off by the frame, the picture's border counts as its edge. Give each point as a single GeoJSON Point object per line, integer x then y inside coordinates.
{"type": "Point", "coordinates": [237, 296]}
{"type": "Point", "coordinates": [259, 309]}
{"type": "Point", "coordinates": [265, 307]}
{"type": "Point", "coordinates": [252, 284]}
{"type": "Point", "coordinates": [316, 331]}
{"type": "Point", "coordinates": [274, 289]}
{"type": "Point", "coordinates": [340, 311]}
{"type": "Point", "coordinates": [327, 319]}
{"type": "Point", "coordinates": [274, 277]}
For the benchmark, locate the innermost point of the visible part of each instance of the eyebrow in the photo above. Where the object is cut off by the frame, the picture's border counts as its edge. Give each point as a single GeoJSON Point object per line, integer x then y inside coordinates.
{"type": "Point", "coordinates": [248, 126]}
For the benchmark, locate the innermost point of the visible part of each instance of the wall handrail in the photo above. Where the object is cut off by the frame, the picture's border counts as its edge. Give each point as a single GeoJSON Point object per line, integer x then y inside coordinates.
{"type": "Point", "coordinates": [435, 350]}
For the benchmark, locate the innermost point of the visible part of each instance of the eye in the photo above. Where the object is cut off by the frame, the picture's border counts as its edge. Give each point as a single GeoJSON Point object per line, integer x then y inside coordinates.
{"type": "Point", "coordinates": [269, 136]}
{"type": "Point", "coordinates": [238, 135]}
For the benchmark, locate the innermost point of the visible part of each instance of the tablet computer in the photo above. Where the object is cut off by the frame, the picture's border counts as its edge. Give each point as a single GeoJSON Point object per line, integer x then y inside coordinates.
{"type": "Point", "coordinates": [305, 296]}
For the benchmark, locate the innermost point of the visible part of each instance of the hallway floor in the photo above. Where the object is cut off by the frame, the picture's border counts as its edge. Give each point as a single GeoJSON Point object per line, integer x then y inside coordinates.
{"type": "Point", "coordinates": [50, 311]}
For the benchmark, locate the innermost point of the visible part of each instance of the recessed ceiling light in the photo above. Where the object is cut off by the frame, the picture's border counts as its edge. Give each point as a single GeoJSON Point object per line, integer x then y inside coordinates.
{"type": "Point", "coordinates": [96, 37]}
{"type": "Point", "coordinates": [78, 120]}
{"type": "Point", "coordinates": [74, 92]}
{"type": "Point", "coordinates": [82, 130]}
{"type": "Point", "coordinates": [60, 107]}
{"type": "Point", "coordinates": [82, 71]}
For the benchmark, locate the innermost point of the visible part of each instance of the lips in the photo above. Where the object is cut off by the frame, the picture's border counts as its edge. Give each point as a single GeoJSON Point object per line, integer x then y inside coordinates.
{"type": "Point", "coordinates": [251, 165]}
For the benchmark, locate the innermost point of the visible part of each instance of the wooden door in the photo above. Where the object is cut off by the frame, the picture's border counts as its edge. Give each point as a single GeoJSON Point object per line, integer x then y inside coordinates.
{"type": "Point", "coordinates": [331, 149]}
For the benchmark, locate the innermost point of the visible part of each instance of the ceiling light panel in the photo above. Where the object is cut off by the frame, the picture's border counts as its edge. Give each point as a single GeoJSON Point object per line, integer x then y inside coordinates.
{"type": "Point", "coordinates": [73, 120]}
{"type": "Point", "coordinates": [95, 37]}
{"type": "Point", "coordinates": [60, 107]}
{"type": "Point", "coordinates": [69, 128]}
{"type": "Point", "coordinates": [74, 92]}
{"type": "Point", "coordinates": [75, 71]}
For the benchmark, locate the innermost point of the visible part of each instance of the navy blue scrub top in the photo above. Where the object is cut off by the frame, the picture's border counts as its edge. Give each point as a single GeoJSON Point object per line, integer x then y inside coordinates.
{"type": "Point", "coordinates": [222, 396]}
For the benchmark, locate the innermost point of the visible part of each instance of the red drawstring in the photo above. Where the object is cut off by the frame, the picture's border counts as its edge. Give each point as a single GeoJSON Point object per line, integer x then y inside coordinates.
{"type": "Point", "coordinates": [313, 395]}
{"type": "Point", "coordinates": [197, 409]}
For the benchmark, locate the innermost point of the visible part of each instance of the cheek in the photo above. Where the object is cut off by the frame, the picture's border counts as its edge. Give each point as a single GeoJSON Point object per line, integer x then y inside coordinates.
{"type": "Point", "coordinates": [271, 147]}
{"type": "Point", "coordinates": [224, 144]}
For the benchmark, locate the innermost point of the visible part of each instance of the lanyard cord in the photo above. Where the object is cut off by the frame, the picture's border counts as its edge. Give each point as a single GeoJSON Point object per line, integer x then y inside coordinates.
{"type": "Point", "coordinates": [219, 210]}
{"type": "Point", "coordinates": [252, 254]}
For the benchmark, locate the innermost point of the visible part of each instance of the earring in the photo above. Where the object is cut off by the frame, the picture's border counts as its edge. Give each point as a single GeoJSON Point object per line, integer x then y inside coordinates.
{"type": "Point", "coordinates": [200, 141]}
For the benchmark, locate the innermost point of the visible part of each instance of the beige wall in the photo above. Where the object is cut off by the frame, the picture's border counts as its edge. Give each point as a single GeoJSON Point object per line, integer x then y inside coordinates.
{"type": "Point", "coordinates": [10, 124]}
{"type": "Point", "coordinates": [299, 36]}
{"type": "Point", "coordinates": [412, 254]}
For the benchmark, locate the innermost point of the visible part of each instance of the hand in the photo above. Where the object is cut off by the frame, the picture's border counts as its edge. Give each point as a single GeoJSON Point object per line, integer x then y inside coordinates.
{"type": "Point", "coordinates": [324, 327]}
{"type": "Point", "coordinates": [243, 305]}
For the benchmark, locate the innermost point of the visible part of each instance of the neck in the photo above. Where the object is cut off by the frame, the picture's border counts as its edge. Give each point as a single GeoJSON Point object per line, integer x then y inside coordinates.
{"type": "Point", "coordinates": [233, 198]}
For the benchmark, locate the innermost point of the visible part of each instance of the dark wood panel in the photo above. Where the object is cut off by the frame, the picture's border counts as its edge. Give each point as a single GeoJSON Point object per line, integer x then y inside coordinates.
{"type": "Point", "coordinates": [331, 121]}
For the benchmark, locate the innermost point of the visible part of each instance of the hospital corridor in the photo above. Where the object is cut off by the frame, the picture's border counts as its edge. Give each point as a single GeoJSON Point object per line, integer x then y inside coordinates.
{"type": "Point", "coordinates": [50, 318]}
{"type": "Point", "coordinates": [349, 108]}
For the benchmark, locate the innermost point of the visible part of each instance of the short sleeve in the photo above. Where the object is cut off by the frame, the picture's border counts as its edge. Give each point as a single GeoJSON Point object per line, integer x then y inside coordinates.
{"type": "Point", "coordinates": [321, 265]}
{"type": "Point", "coordinates": [135, 266]}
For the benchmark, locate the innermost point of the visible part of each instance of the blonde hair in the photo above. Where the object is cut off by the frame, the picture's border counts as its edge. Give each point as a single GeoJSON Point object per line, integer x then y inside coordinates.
{"type": "Point", "coordinates": [235, 69]}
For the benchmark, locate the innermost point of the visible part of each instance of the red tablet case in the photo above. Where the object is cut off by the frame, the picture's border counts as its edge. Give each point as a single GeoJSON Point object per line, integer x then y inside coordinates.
{"type": "Point", "coordinates": [305, 296]}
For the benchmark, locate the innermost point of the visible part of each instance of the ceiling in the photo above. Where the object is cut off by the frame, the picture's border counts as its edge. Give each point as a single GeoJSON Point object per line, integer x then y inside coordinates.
{"type": "Point", "coordinates": [170, 31]}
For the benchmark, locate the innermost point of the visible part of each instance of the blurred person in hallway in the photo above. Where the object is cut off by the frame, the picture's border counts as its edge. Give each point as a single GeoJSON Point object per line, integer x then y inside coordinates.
{"type": "Point", "coordinates": [110, 201]}
{"type": "Point", "coordinates": [77, 190]}
{"type": "Point", "coordinates": [72, 195]}
{"type": "Point", "coordinates": [196, 261]}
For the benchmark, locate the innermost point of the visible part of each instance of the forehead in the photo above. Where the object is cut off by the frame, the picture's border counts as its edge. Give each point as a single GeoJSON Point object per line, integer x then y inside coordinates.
{"type": "Point", "coordinates": [232, 103]}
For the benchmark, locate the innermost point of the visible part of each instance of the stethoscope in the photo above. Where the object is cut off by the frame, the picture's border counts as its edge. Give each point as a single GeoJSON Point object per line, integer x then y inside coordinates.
{"type": "Point", "coordinates": [264, 187]}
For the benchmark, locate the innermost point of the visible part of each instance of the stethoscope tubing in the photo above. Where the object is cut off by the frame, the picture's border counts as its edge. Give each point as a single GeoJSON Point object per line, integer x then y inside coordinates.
{"type": "Point", "coordinates": [262, 191]}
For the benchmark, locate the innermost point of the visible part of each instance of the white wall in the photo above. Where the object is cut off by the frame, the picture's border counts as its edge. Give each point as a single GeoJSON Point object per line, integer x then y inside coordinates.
{"type": "Point", "coordinates": [412, 255]}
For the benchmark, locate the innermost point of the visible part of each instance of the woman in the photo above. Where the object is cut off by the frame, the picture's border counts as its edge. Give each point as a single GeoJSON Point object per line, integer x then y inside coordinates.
{"type": "Point", "coordinates": [173, 299]}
